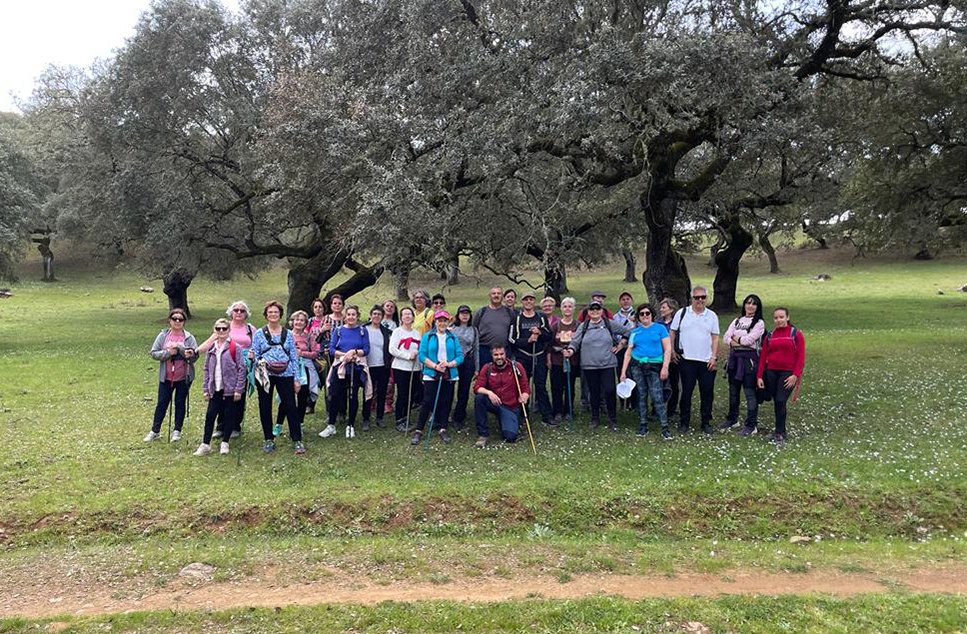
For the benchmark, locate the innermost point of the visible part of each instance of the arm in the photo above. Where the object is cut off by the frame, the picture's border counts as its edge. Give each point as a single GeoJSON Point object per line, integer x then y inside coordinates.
{"type": "Point", "coordinates": [240, 374]}
{"type": "Point", "coordinates": [190, 349]}
{"type": "Point", "coordinates": [763, 360]}
{"type": "Point", "coordinates": [158, 351]}
{"type": "Point", "coordinates": [715, 351]}
{"type": "Point", "coordinates": [524, 382]}
{"type": "Point", "coordinates": [459, 351]}
{"type": "Point", "coordinates": [365, 342]}
{"type": "Point", "coordinates": [332, 345]}
{"type": "Point", "coordinates": [666, 353]}
{"type": "Point", "coordinates": [312, 348]}
{"type": "Point", "coordinates": [729, 334]}
{"type": "Point", "coordinates": [754, 335]}
{"type": "Point", "coordinates": [293, 357]}
{"type": "Point", "coordinates": [800, 354]}
{"type": "Point", "coordinates": [627, 362]}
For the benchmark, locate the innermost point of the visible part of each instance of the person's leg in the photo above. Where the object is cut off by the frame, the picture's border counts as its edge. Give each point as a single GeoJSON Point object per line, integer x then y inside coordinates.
{"type": "Point", "coordinates": [689, 375]}
{"type": "Point", "coordinates": [653, 387]}
{"type": "Point", "coordinates": [426, 407]}
{"type": "Point", "coordinates": [160, 409]}
{"type": "Point", "coordinates": [485, 355]}
{"type": "Point", "coordinates": [570, 380]}
{"type": "Point", "coordinates": [181, 399]}
{"type": "Point", "coordinates": [509, 423]}
{"type": "Point", "coordinates": [286, 388]}
{"type": "Point", "coordinates": [444, 403]}
{"type": "Point", "coordinates": [337, 394]}
{"type": "Point", "coordinates": [481, 407]}
{"type": "Point", "coordinates": [302, 404]}
{"type": "Point", "coordinates": [706, 391]}
{"type": "Point", "coordinates": [380, 385]}
{"type": "Point", "coordinates": [229, 417]}
{"type": "Point", "coordinates": [215, 407]}
{"type": "Point", "coordinates": [751, 404]}
{"type": "Point", "coordinates": [354, 383]}
{"type": "Point", "coordinates": [540, 388]}
{"type": "Point", "coordinates": [585, 390]}
{"type": "Point", "coordinates": [735, 387]}
{"type": "Point", "coordinates": [280, 416]}
{"type": "Point", "coordinates": [389, 407]}
{"type": "Point", "coordinates": [593, 379]}
{"type": "Point", "coordinates": [609, 396]}
{"type": "Point", "coordinates": [672, 388]}
{"type": "Point", "coordinates": [402, 380]}
{"type": "Point", "coordinates": [465, 377]}
{"type": "Point", "coordinates": [239, 410]}
{"type": "Point", "coordinates": [557, 391]}
{"type": "Point", "coordinates": [265, 409]}
{"type": "Point", "coordinates": [637, 372]}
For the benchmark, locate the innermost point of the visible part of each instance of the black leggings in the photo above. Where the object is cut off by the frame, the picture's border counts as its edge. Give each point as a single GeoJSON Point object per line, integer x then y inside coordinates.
{"type": "Point", "coordinates": [775, 385]}
{"type": "Point", "coordinates": [561, 390]}
{"type": "Point", "coordinates": [285, 386]}
{"type": "Point", "coordinates": [465, 372]}
{"type": "Point", "coordinates": [380, 378]}
{"type": "Point", "coordinates": [405, 392]}
{"type": "Point", "coordinates": [600, 383]}
{"type": "Point", "coordinates": [346, 390]}
{"type": "Point", "coordinates": [167, 389]}
{"type": "Point", "coordinates": [224, 410]}
{"type": "Point", "coordinates": [301, 404]}
{"type": "Point", "coordinates": [440, 394]}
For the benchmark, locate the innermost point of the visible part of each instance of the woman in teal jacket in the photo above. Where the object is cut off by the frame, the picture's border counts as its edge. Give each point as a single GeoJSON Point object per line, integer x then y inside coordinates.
{"type": "Point", "coordinates": [439, 356]}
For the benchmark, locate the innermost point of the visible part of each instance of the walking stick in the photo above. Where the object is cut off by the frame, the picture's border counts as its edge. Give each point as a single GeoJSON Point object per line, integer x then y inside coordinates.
{"type": "Point", "coordinates": [436, 399]}
{"type": "Point", "coordinates": [409, 399]}
{"type": "Point", "coordinates": [352, 375]}
{"type": "Point", "coordinates": [171, 407]}
{"type": "Point", "coordinates": [524, 409]}
{"type": "Point", "coordinates": [567, 385]}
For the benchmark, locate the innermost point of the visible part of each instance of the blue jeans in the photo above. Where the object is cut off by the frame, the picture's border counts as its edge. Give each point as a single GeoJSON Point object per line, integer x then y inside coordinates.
{"type": "Point", "coordinates": [509, 425]}
{"type": "Point", "coordinates": [648, 378]}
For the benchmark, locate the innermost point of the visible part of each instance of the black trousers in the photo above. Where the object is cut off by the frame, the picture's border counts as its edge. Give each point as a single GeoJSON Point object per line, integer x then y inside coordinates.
{"type": "Point", "coordinates": [601, 387]}
{"type": "Point", "coordinates": [693, 372]}
{"type": "Point", "coordinates": [672, 393]}
{"type": "Point", "coordinates": [775, 385]}
{"type": "Point", "coordinates": [405, 392]}
{"type": "Point", "coordinates": [301, 405]}
{"type": "Point", "coordinates": [285, 386]}
{"type": "Point", "coordinates": [465, 372]}
{"type": "Point", "coordinates": [167, 390]}
{"type": "Point", "coordinates": [380, 378]}
{"type": "Point", "coordinates": [562, 388]}
{"type": "Point", "coordinates": [222, 409]}
{"type": "Point", "coordinates": [442, 402]}
{"type": "Point", "coordinates": [345, 391]}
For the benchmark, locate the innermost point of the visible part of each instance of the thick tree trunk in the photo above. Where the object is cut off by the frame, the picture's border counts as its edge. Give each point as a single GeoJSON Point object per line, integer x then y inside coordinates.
{"type": "Point", "coordinates": [727, 265]}
{"type": "Point", "coordinates": [307, 277]}
{"type": "Point", "coordinates": [401, 283]}
{"type": "Point", "coordinates": [453, 271]}
{"type": "Point", "coordinates": [47, 255]}
{"type": "Point", "coordinates": [770, 252]}
{"type": "Point", "coordinates": [714, 251]}
{"type": "Point", "coordinates": [811, 232]}
{"type": "Point", "coordinates": [665, 274]}
{"type": "Point", "coordinates": [176, 285]}
{"type": "Point", "coordinates": [923, 253]}
{"type": "Point", "coordinates": [631, 267]}
{"type": "Point", "coordinates": [363, 278]}
{"type": "Point", "coordinates": [555, 280]}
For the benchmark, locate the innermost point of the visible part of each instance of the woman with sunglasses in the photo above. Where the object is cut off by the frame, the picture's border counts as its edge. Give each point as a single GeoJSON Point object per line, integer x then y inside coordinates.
{"type": "Point", "coordinates": [175, 349]}
{"type": "Point", "coordinates": [598, 339]}
{"type": "Point", "coordinates": [241, 332]}
{"type": "Point", "coordinates": [648, 356]}
{"type": "Point", "coordinates": [742, 339]}
{"type": "Point", "coordinates": [666, 312]}
{"type": "Point", "coordinates": [224, 384]}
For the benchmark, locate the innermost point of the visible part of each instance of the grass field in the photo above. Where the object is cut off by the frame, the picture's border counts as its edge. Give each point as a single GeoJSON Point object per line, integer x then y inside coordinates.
{"type": "Point", "coordinates": [873, 474]}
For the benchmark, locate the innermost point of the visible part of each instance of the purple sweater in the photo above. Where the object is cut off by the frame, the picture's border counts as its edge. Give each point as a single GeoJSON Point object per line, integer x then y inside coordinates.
{"type": "Point", "coordinates": [233, 371]}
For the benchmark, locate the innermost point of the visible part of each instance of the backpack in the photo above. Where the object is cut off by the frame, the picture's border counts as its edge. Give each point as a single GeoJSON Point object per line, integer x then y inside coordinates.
{"type": "Point", "coordinates": [792, 334]}
{"type": "Point", "coordinates": [275, 367]}
{"type": "Point", "coordinates": [678, 336]}
{"type": "Point", "coordinates": [583, 328]}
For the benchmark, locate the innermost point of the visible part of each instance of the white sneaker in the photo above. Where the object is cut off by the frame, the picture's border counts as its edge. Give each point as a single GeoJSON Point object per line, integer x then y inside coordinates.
{"type": "Point", "coordinates": [217, 433]}
{"type": "Point", "coordinates": [330, 430]}
{"type": "Point", "coordinates": [350, 431]}
{"type": "Point", "coordinates": [175, 436]}
{"type": "Point", "coordinates": [223, 448]}
{"type": "Point", "coordinates": [152, 435]}
{"type": "Point", "coordinates": [203, 450]}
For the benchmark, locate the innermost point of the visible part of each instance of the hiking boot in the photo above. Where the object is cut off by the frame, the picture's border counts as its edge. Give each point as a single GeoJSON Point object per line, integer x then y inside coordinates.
{"type": "Point", "coordinates": [380, 424]}
{"type": "Point", "coordinates": [666, 435]}
{"type": "Point", "coordinates": [330, 430]}
{"type": "Point", "coordinates": [779, 439]}
{"type": "Point", "coordinates": [236, 434]}
{"type": "Point", "coordinates": [481, 442]}
{"type": "Point", "coordinates": [175, 436]}
{"type": "Point", "coordinates": [269, 446]}
{"type": "Point", "coordinates": [203, 450]}
{"type": "Point", "coordinates": [223, 448]}
{"type": "Point", "coordinates": [401, 425]}
{"type": "Point", "coordinates": [747, 431]}
{"type": "Point", "coordinates": [595, 424]}
{"type": "Point", "coordinates": [726, 425]}
{"type": "Point", "coordinates": [152, 435]}
{"type": "Point", "coordinates": [350, 431]}
{"type": "Point", "coordinates": [557, 419]}
{"type": "Point", "coordinates": [613, 426]}
{"type": "Point", "coordinates": [415, 440]}
{"type": "Point", "coordinates": [299, 449]}
{"type": "Point", "coordinates": [707, 429]}
{"type": "Point", "coordinates": [445, 437]}
{"type": "Point", "coordinates": [552, 422]}
{"type": "Point", "coordinates": [276, 430]}
{"type": "Point", "coordinates": [364, 426]}
{"type": "Point", "coordinates": [217, 433]}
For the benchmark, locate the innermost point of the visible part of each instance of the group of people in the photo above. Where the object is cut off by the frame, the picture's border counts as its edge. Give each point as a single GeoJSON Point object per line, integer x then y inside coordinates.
{"type": "Point", "coordinates": [512, 361]}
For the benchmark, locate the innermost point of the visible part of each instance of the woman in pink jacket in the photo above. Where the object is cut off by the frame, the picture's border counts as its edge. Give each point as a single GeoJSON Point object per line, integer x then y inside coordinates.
{"type": "Point", "coordinates": [743, 340]}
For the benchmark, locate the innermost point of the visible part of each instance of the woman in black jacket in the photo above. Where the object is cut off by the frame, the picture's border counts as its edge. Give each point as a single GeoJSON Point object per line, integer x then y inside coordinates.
{"type": "Point", "coordinates": [379, 361]}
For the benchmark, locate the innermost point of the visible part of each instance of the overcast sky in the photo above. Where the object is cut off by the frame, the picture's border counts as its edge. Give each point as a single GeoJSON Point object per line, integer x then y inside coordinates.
{"type": "Point", "coordinates": [37, 33]}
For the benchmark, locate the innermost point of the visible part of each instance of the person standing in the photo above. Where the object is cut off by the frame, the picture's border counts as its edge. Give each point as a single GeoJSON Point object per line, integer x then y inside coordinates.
{"type": "Point", "coordinates": [510, 299]}
{"type": "Point", "coordinates": [743, 338]}
{"type": "Point", "coordinates": [493, 323]}
{"type": "Point", "coordinates": [348, 348]}
{"type": "Point", "coordinates": [439, 354]}
{"type": "Point", "coordinates": [648, 356]}
{"type": "Point", "coordinates": [277, 368]}
{"type": "Point", "coordinates": [529, 336]}
{"type": "Point", "coordinates": [241, 332]}
{"type": "Point", "coordinates": [666, 311]}
{"type": "Point", "coordinates": [626, 311]}
{"type": "Point", "coordinates": [548, 306]}
{"type": "Point", "coordinates": [696, 331]}
{"type": "Point", "coordinates": [403, 345]}
{"type": "Point", "coordinates": [562, 383]}
{"type": "Point", "coordinates": [224, 384]}
{"type": "Point", "coordinates": [308, 351]}
{"type": "Point", "coordinates": [469, 340]}
{"type": "Point", "coordinates": [781, 365]}
{"type": "Point", "coordinates": [498, 391]}
{"type": "Point", "coordinates": [174, 348]}
{"type": "Point", "coordinates": [422, 313]}
{"type": "Point", "coordinates": [598, 339]}
{"type": "Point", "coordinates": [379, 360]}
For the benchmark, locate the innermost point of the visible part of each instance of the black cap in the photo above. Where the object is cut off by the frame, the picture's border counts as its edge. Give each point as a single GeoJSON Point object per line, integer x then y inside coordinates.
{"type": "Point", "coordinates": [595, 304]}
{"type": "Point", "coordinates": [463, 308]}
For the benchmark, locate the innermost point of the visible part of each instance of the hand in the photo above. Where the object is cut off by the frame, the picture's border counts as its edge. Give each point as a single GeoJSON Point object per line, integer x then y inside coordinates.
{"type": "Point", "coordinates": [238, 397]}
{"type": "Point", "coordinates": [451, 364]}
{"type": "Point", "coordinates": [568, 353]}
{"type": "Point", "coordinates": [207, 396]}
{"type": "Point", "coordinates": [523, 398]}
{"type": "Point", "coordinates": [494, 399]}
{"type": "Point", "coordinates": [614, 349]}
{"type": "Point", "coordinates": [711, 363]}
{"type": "Point", "coordinates": [663, 374]}
{"type": "Point", "coordinates": [535, 330]}
{"type": "Point", "coordinates": [189, 353]}
{"type": "Point", "coordinates": [676, 357]}
{"type": "Point", "coordinates": [623, 378]}
{"type": "Point", "coordinates": [791, 381]}
{"type": "Point", "coordinates": [761, 384]}
{"type": "Point", "coordinates": [251, 355]}
{"type": "Point", "coordinates": [532, 339]}
{"type": "Point", "coordinates": [298, 386]}
{"type": "Point", "coordinates": [326, 326]}
{"type": "Point", "coordinates": [412, 356]}
{"type": "Point", "coordinates": [172, 350]}
{"type": "Point", "coordinates": [736, 340]}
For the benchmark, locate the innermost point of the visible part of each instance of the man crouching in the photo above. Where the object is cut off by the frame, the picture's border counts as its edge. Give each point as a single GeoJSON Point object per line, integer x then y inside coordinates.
{"type": "Point", "coordinates": [501, 387]}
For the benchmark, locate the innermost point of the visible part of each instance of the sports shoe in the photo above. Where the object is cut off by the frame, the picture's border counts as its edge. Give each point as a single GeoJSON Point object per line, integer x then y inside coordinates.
{"type": "Point", "coordinates": [682, 429]}
{"type": "Point", "coordinates": [707, 429]}
{"type": "Point", "coordinates": [779, 439]}
{"type": "Point", "coordinates": [666, 435]}
{"type": "Point", "coordinates": [175, 436]}
{"type": "Point", "coordinates": [203, 450]}
{"type": "Point", "coordinates": [595, 424]}
{"type": "Point", "coordinates": [641, 433]}
{"type": "Point", "coordinates": [401, 425]}
{"type": "Point", "coordinates": [299, 449]}
{"type": "Point", "coordinates": [380, 424]}
{"type": "Point", "coordinates": [557, 419]}
{"type": "Point", "coordinates": [350, 431]}
{"type": "Point", "coordinates": [276, 430]}
{"type": "Point", "coordinates": [236, 434]}
{"type": "Point", "coordinates": [747, 431]}
{"type": "Point", "coordinates": [415, 440]}
{"type": "Point", "coordinates": [152, 435]}
{"type": "Point", "coordinates": [330, 430]}
{"type": "Point", "coordinates": [223, 448]}
{"type": "Point", "coordinates": [269, 446]}
{"type": "Point", "coordinates": [217, 433]}
{"type": "Point", "coordinates": [613, 426]}
{"type": "Point", "coordinates": [445, 437]}
{"type": "Point", "coordinates": [364, 426]}
{"type": "Point", "coordinates": [726, 425]}
{"type": "Point", "coordinates": [481, 442]}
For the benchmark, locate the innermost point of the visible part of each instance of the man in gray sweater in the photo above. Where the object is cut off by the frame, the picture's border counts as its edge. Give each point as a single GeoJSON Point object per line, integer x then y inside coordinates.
{"type": "Point", "coordinates": [493, 323]}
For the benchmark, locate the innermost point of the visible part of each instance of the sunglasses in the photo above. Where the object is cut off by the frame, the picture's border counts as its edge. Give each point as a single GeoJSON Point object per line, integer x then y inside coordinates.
{"type": "Point", "coordinates": [221, 329]}
{"type": "Point", "coordinates": [177, 318]}
{"type": "Point", "coordinates": [239, 310]}
{"type": "Point", "coordinates": [699, 297]}
{"type": "Point", "coordinates": [644, 312]}
{"type": "Point", "coordinates": [595, 308]}
{"type": "Point", "coordinates": [439, 303]}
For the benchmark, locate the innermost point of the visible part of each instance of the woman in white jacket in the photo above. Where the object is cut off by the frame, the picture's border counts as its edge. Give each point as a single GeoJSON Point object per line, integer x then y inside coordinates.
{"type": "Point", "coordinates": [404, 346]}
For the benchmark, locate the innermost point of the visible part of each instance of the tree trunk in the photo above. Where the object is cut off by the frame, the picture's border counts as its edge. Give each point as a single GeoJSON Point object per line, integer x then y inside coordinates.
{"type": "Point", "coordinates": [811, 232]}
{"type": "Point", "coordinates": [923, 253]}
{"type": "Point", "coordinates": [307, 277]}
{"type": "Point", "coordinates": [47, 255]}
{"type": "Point", "coordinates": [727, 264]}
{"type": "Point", "coordinates": [176, 285]}
{"type": "Point", "coordinates": [770, 252]}
{"type": "Point", "coordinates": [631, 266]}
{"type": "Point", "coordinates": [714, 251]}
{"type": "Point", "coordinates": [362, 279]}
{"type": "Point", "coordinates": [401, 282]}
{"type": "Point", "coordinates": [453, 271]}
{"type": "Point", "coordinates": [665, 274]}
{"type": "Point", "coordinates": [555, 279]}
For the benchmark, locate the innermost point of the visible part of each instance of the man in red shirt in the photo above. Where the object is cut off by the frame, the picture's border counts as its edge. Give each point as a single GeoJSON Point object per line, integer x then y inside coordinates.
{"type": "Point", "coordinates": [496, 390]}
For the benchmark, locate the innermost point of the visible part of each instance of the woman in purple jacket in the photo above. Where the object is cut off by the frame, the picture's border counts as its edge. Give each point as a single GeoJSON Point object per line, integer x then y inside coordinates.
{"type": "Point", "coordinates": [223, 387]}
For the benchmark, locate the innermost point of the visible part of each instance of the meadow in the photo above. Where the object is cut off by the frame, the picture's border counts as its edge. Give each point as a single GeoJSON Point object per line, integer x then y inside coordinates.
{"type": "Point", "coordinates": [871, 482]}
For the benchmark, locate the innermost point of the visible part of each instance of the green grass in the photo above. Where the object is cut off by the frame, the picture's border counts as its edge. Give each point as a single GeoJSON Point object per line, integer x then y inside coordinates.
{"type": "Point", "coordinates": [875, 464]}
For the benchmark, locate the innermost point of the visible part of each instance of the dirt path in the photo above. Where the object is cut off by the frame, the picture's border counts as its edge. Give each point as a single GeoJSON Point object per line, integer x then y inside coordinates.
{"type": "Point", "coordinates": [45, 599]}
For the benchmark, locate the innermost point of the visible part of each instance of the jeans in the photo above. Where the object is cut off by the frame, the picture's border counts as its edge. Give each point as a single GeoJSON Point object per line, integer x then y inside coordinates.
{"type": "Point", "coordinates": [223, 409]}
{"type": "Point", "coordinates": [380, 377]}
{"type": "Point", "coordinates": [165, 391]}
{"type": "Point", "coordinates": [437, 399]}
{"type": "Point", "coordinates": [600, 383]}
{"type": "Point", "coordinates": [751, 405]}
{"type": "Point", "coordinates": [466, 375]}
{"type": "Point", "coordinates": [562, 390]}
{"type": "Point", "coordinates": [346, 390]}
{"type": "Point", "coordinates": [693, 372]}
{"type": "Point", "coordinates": [285, 386]}
{"type": "Point", "coordinates": [649, 384]}
{"type": "Point", "coordinates": [509, 422]}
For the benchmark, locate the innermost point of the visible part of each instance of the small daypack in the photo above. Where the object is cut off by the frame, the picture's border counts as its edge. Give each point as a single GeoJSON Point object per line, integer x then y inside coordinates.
{"type": "Point", "coordinates": [275, 367]}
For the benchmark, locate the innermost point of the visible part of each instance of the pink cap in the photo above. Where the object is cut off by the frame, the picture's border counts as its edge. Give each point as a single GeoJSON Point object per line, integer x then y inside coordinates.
{"type": "Point", "coordinates": [441, 314]}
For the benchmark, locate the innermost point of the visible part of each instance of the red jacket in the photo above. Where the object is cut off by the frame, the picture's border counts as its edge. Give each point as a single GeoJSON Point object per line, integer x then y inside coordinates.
{"type": "Point", "coordinates": [779, 352]}
{"type": "Point", "coordinates": [501, 382]}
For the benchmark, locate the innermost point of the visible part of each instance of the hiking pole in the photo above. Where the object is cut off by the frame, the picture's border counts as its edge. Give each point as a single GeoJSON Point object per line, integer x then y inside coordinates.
{"type": "Point", "coordinates": [409, 399]}
{"type": "Point", "coordinates": [567, 386]}
{"type": "Point", "coordinates": [171, 407]}
{"type": "Point", "coordinates": [352, 393]}
{"type": "Point", "coordinates": [523, 409]}
{"type": "Point", "coordinates": [436, 399]}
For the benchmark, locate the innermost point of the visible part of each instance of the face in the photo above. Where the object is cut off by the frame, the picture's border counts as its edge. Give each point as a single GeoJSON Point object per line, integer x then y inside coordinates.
{"type": "Point", "coordinates": [336, 305]}
{"type": "Point", "coordinates": [595, 313]}
{"type": "Point", "coordinates": [750, 307]}
{"type": "Point", "coordinates": [597, 298]}
{"type": "Point", "coordinates": [299, 323]}
{"type": "Point", "coordinates": [351, 317]}
{"type": "Point", "coordinates": [389, 307]}
{"type": "Point", "coordinates": [442, 323]}
{"type": "Point", "coordinates": [529, 303]}
{"type": "Point", "coordinates": [239, 313]}
{"type": "Point", "coordinates": [665, 310]}
{"type": "Point", "coordinates": [510, 299]}
{"type": "Point", "coordinates": [781, 318]}
{"type": "Point", "coordinates": [625, 301]}
{"type": "Point", "coordinates": [495, 294]}
{"type": "Point", "coordinates": [273, 314]}
{"type": "Point", "coordinates": [221, 331]}
{"type": "Point", "coordinates": [698, 298]}
{"type": "Point", "coordinates": [439, 304]}
{"type": "Point", "coordinates": [499, 355]}
{"type": "Point", "coordinates": [463, 317]}
{"type": "Point", "coordinates": [318, 309]}
{"type": "Point", "coordinates": [406, 317]}
{"type": "Point", "coordinates": [419, 300]}
{"type": "Point", "coordinates": [644, 316]}
{"type": "Point", "coordinates": [177, 321]}
{"type": "Point", "coordinates": [376, 316]}
{"type": "Point", "coordinates": [547, 307]}
{"type": "Point", "coordinates": [567, 309]}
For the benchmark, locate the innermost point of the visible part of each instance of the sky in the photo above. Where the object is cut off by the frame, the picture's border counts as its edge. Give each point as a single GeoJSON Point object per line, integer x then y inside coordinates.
{"type": "Point", "coordinates": [37, 33]}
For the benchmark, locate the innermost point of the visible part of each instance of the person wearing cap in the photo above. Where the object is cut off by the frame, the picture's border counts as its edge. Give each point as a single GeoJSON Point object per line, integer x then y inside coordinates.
{"type": "Point", "coordinates": [625, 316]}
{"type": "Point", "coordinates": [498, 391]}
{"type": "Point", "coordinates": [469, 340]}
{"type": "Point", "coordinates": [648, 355]}
{"type": "Point", "coordinates": [493, 324]}
{"type": "Point", "coordinates": [439, 356]}
{"type": "Point", "coordinates": [529, 336]}
{"type": "Point", "coordinates": [596, 296]}
{"type": "Point", "coordinates": [695, 328]}
{"type": "Point", "coordinates": [598, 339]}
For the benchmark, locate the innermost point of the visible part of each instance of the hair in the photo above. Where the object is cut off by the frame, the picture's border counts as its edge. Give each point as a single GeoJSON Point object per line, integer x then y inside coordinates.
{"type": "Point", "coordinates": [228, 311]}
{"type": "Point", "coordinates": [623, 293]}
{"type": "Point", "coordinates": [509, 291]}
{"type": "Point", "coordinates": [548, 297]}
{"type": "Point", "coordinates": [376, 307]}
{"type": "Point", "coordinates": [456, 317]}
{"type": "Point", "coordinates": [671, 302]}
{"type": "Point", "coordinates": [299, 313]}
{"type": "Point", "coordinates": [438, 296]}
{"type": "Point", "coordinates": [420, 291]}
{"type": "Point", "coordinates": [177, 311]}
{"type": "Point", "coordinates": [409, 308]}
{"type": "Point", "coordinates": [269, 304]}
{"type": "Point", "coordinates": [700, 287]}
{"type": "Point", "coordinates": [757, 317]}
{"type": "Point", "coordinates": [569, 300]}
{"type": "Point", "coordinates": [783, 309]}
{"type": "Point", "coordinates": [351, 307]}
{"type": "Point", "coordinates": [318, 300]}
{"type": "Point", "coordinates": [336, 296]}
{"type": "Point", "coordinates": [642, 306]}
{"type": "Point", "coordinates": [396, 312]}
{"type": "Point", "coordinates": [221, 321]}
{"type": "Point", "coordinates": [499, 346]}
